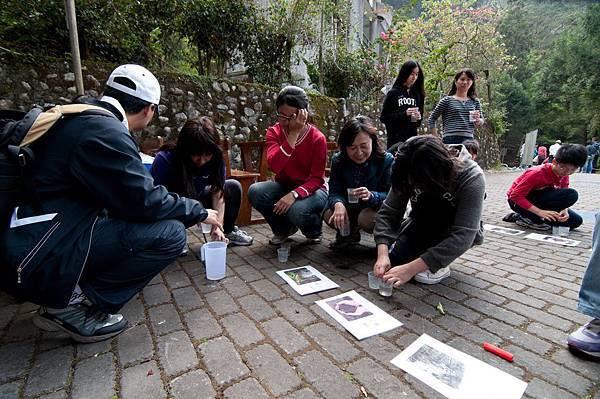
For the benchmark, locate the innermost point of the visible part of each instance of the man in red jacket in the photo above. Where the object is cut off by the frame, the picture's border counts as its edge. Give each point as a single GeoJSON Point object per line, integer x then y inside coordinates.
{"type": "Point", "coordinates": [297, 153]}
{"type": "Point", "coordinates": [540, 197]}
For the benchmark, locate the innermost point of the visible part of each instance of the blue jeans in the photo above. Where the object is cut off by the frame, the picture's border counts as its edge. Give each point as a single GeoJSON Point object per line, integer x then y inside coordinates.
{"type": "Point", "coordinates": [455, 139]}
{"type": "Point", "coordinates": [551, 199]}
{"type": "Point", "coordinates": [589, 294]}
{"type": "Point", "coordinates": [125, 256]}
{"type": "Point", "coordinates": [588, 166]}
{"type": "Point", "coordinates": [304, 213]}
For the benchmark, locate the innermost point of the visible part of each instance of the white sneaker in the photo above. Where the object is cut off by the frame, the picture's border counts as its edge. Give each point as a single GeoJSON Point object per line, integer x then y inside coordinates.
{"type": "Point", "coordinates": [427, 277]}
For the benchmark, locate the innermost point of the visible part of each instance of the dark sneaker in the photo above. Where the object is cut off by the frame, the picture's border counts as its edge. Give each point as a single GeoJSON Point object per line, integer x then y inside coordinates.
{"type": "Point", "coordinates": [344, 242]}
{"type": "Point", "coordinates": [83, 322]}
{"type": "Point", "coordinates": [280, 239]}
{"type": "Point", "coordinates": [586, 339]}
{"type": "Point", "coordinates": [313, 240]}
{"type": "Point", "coordinates": [528, 223]}
{"type": "Point", "coordinates": [511, 217]}
{"type": "Point", "coordinates": [239, 237]}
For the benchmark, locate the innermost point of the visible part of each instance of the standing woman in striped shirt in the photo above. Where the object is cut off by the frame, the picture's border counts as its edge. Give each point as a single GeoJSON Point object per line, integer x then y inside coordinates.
{"type": "Point", "coordinates": [460, 110]}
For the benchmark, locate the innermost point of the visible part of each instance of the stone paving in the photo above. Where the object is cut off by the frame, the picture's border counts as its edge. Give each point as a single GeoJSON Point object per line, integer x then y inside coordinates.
{"type": "Point", "coordinates": [251, 336]}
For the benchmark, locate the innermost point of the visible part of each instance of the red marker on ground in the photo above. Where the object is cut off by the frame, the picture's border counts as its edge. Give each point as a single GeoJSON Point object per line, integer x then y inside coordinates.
{"type": "Point", "coordinates": [498, 352]}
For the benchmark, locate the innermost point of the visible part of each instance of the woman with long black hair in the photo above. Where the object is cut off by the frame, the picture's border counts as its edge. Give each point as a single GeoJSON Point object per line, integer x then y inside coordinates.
{"type": "Point", "coordinates": [460, 110]}
{"type": "Point", "coordinates": [193, 167]}
{"type": "Point", "coordinates": [402, 108]}
{"type": "Point", "coordinates": [446, 195]}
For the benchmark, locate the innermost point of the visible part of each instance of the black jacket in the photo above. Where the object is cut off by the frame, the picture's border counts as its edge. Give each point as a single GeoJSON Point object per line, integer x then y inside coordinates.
{"type": "Point", "coordinates": [86, 166]}
{"type": "Point", "coordinates": [393, 114]}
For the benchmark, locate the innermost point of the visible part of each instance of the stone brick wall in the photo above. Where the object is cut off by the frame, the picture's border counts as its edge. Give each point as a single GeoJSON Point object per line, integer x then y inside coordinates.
{"type": "Point", "coordinates": [240, 110]}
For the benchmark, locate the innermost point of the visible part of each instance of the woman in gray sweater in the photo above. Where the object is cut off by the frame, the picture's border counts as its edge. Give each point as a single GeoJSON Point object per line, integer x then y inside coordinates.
{"type": "Point", "coordinates": [446, 195]}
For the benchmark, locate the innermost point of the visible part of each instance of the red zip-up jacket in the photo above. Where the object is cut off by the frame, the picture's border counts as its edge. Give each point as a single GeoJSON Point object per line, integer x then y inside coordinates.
{"type": "Point", "coordinates": [534, 178]}
{"type": "Point", "coordinates": [301, 168]}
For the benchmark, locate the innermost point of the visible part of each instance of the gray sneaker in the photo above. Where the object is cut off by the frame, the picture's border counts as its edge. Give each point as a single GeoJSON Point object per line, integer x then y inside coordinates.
{"type": "Point", "coordinates": [239, 237]}
{"type": "Point", "coordinates": [83, 322]}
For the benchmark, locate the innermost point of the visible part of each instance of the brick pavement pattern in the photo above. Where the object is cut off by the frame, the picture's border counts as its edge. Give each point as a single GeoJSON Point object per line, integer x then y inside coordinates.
{"type": "Point", "coordinates": [251, 336]}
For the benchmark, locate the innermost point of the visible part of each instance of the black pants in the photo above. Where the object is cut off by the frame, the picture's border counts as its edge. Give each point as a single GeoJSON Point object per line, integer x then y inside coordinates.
{"type": "Point", "coordinates": [233, 199]}
{"type": "Point", "coordinates": [125, 256]}
{"type": "Point", "coordinates": [551, 199]}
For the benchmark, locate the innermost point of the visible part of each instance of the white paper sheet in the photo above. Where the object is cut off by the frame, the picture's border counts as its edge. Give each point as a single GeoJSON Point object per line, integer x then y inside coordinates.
{"type": "Point", "coordinates": [357, 315]}
{"type": "Point", "coordinates": [306, 280]}
{"type": "Point", "coordinates": [502, 230]}
{"type": "Point", "coordinates": [556, 240]}
{"type": "Point", "coordinates": [455, 374]}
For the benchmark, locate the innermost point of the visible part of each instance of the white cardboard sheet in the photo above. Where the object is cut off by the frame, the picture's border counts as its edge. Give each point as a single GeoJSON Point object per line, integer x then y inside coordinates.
{"type": "Point", "coordinates": [357, 315]}
{"type": "Point", "coordinates": [306, 280]}
{"type": "Point", "coordinates": [455, 374]}
{"type": "Point", "coordinates": [556, 240]}
{"type": "Point", "coordinates": [502, 230]}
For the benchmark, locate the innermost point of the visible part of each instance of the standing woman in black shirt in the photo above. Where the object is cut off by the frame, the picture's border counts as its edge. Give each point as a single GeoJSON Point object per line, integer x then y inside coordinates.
{"type": "Point", "coordinates": [403, 105]}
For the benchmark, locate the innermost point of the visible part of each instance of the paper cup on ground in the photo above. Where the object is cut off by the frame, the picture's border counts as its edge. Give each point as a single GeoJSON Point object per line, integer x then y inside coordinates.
{"type": "Point", "coordinates": [345, 229]}
{"type": "Point", "coordinates": [214, 256]}
{"type": "Point", "coordinates": [373, 281]}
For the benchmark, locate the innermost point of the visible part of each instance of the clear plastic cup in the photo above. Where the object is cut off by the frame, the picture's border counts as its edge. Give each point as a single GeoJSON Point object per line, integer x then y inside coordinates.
{"type": "Point", "coordinates": [561, 231]}
{"type": "Point", "coordinates": [206, 228]}
{"type": "Point", "coordinates": [345, 229]}
{"type": "Point", "coordinates": [352, 199]}
{"type": "Point", "coordinates": [283, 254]}
{"type": "Point", "coordinates": [416, 115]}
{"type": "Point", "coordinates": [385, 288]}
{"type": "Point", "coordinates": [473, 116]}
{"type": "Point", "coordinates": [373, 281]}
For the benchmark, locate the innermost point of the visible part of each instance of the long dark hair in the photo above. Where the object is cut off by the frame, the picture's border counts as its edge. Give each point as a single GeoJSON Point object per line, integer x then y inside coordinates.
{"type": "Point", "coordinates": [349, 132]}
{"type": "Point", "coordinates": [405, 71]}
{"type": "Point", "coordinates": [423, 162]}
{"type": "Point", "coordinates": [197, 137]}
{"type": "Point", "coordinates": [472, 93]}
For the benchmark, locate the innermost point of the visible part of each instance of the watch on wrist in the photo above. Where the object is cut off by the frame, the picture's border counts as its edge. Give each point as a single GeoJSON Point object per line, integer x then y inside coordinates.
{"type": "Point", "coordinates": [295, 194]}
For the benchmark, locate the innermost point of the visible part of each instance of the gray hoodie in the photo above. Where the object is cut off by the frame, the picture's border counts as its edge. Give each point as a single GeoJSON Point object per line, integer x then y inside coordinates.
{"type": "Point", "coordinates": [467, 230]}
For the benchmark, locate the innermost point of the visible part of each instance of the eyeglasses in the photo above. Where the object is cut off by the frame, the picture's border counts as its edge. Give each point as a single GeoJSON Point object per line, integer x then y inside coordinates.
{"type": "Point", "coordinates": [282, 116]}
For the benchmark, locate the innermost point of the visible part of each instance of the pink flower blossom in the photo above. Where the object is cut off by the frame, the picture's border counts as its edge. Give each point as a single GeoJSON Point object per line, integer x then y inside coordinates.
{"type": "Point", "coordinates": [383, 36]}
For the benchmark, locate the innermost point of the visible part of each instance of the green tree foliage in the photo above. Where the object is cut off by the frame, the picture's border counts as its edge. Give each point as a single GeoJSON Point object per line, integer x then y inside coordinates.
{"type": "Point", "coordinates": [273, 35]}
{"type": "Point", "coordinates": [116, 30]}
{"type": "Point", "coordinates": [566, 87]}
{"type": "Point", "coordinates": [218, 28]}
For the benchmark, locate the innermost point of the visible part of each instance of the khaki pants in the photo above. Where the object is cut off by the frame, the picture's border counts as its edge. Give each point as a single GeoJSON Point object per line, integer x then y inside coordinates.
{"type": "Point", "coordinates": [360, 218]}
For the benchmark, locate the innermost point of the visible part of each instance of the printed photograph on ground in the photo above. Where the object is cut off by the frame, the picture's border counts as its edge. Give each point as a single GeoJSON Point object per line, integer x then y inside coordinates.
{"type": "Point", "coordinates": [455, 374]}
{"type": "Point", "coordinates": [439, 365]}
{"type": "Point", "coordinates": [502, 230]}
{"type": "Point", "coordinates": [349, 308]}
{"type": "Point", "coordinates": [302, 276]}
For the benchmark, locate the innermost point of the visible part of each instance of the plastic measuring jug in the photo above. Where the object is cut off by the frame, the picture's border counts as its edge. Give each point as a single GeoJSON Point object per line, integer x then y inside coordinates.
{"type": "Point", "coordinates": [214, 255]}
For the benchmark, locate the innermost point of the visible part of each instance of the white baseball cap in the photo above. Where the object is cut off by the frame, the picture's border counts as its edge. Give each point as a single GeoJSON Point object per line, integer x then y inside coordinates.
{"type": "Point", "coordinates": [146, 86]}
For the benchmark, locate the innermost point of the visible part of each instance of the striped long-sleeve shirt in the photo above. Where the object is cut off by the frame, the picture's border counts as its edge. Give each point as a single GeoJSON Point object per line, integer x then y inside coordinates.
{"type": "Point", "coordinates": [455, 116]}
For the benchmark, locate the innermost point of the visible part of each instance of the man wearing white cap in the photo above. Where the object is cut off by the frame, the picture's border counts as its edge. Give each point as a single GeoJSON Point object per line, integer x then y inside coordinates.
{"type": "Point", "coordinates": [102, 230]}
{"type": "Point", "coordinates": [553, 150]}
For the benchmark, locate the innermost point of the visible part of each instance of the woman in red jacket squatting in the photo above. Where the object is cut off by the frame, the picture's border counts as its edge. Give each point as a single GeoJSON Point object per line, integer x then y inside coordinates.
{"type": "Point", "coordinates": [296, 152]}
